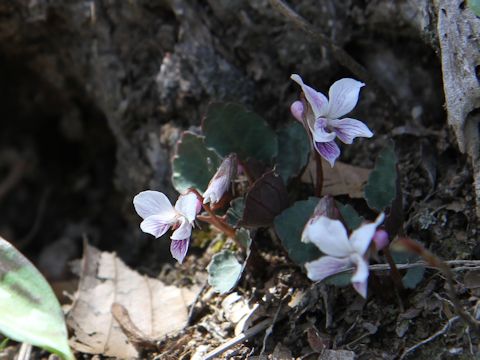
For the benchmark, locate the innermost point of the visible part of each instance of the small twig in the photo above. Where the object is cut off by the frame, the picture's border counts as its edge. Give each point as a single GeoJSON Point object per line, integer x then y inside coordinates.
{"type": "Point", "coordinates": [442, 331]}
{"type": "Point", "coordinates": [254, 330]}
{"type": "Point", "coordinates": [24, 352]}
{"type": "Point", "coordinates": [137, 337]}
{"type": "Point", "coordinates": [435, 261]}
{"type": "Point", "coordinates": [340, 55]}
{"type": "Point", "coordinates": [191, 312]}
{"type": "Point", "coordinates": [269, 330]}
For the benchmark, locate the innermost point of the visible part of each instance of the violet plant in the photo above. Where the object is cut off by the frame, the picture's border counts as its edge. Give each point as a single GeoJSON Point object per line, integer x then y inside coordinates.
{"type": "Point", "coordinates": [240, 183]}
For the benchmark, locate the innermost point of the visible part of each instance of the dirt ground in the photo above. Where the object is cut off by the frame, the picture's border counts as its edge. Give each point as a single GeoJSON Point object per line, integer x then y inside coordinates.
{"type": "Point", "coordinates": [94, 95]}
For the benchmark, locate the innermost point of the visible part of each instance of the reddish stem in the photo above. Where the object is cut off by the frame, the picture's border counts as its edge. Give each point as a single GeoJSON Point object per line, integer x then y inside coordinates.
{"type": "Point", "coordinates": [319, 174]}
{"type": "Point", "coordinates": [214, 219]}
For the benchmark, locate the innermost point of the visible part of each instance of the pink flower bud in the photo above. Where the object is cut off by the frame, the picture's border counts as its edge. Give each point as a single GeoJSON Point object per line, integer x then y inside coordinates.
{"type": "Point", "coordinates": [380, 239]}
{"type": "Point", "coordinates": [221, 180]}
{"type": "Point", "coordinates": [297, 110]}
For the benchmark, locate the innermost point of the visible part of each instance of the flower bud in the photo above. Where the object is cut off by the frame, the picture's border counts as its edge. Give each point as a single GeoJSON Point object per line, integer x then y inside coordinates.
{"type": "Point", "coordinates": [380, 239]}
{"type": "Point", "coordinates": [297, 110]}
{"type": "Point", "coordinates": [221, 180]}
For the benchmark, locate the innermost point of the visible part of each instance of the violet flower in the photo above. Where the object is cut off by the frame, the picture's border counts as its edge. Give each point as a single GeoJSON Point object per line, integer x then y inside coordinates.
{"type": "Point", "coordinates": [321, 116]}
{"type": "Point", "coordinates": [220, 182]}
{"type": "Point", "coordinates": [159, 215]}
{"type": "Point", "coordinates": [342, 252]}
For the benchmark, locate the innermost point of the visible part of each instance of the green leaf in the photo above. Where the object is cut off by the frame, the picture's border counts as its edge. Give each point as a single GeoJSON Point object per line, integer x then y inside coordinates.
{"type": "Point", "coordinates": [380, 190]}
{"type": "Point", "coordinates": [474, 5]}
{"type": "Point", "coordinates": [29, 310]}
{"type": "Point", "coordinates": [350, 216]}
{"type": "Point", "coordinates": [235, 211]}
{"type": "Point", "coordinates": [193, 164]}
{"type": "Point", "coordinates": [289, 227]}
{"type": "Point", "coordinates": [230, 128]}
{"type": "Point", "coordinates": [293, 151]}
{"type": "Point", "coordinates": [224, 271]}
{"type": "Point", "coordinates": [413, 277]}
{"type": "Point", "coordinates": [340, 280]}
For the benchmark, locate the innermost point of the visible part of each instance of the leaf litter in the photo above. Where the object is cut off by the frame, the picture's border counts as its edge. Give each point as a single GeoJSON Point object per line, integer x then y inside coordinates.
{"type": "Point", "coordinates": [150, 307]}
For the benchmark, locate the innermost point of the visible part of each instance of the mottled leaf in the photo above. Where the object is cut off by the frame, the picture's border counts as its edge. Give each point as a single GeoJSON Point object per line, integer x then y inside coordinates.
{"type": "Point", "coordinates": [350, 216]}
{"type": "Point", "coordinates": [381, 187]}
{"type": "Point", "coordinates": [293, 151]}
{"type": "Point", "coordinates": [289, 227]}
{"type": "Point", "coordinates": [29, 310]}
{"type": "Point", "coordinates": [193, 164]}
{"type": "Point", "coordinates": [230, 128]}
{"type": "Point", "coordinates": [224, 270]}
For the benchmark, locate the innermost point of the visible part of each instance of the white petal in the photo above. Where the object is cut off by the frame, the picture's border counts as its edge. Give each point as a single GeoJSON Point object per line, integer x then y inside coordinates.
{"type": "Point", "coordinates": [361, 272]}
{"type": "Point", "coordinates": [361, 237]}
{"type": "Point", "coordinates": [184, 230]}
{"type": "Point", "coordinates": [326, 266]}
{"type": "Point", "coordinates": [330, 236]}
{"type": "Point", "coordinates": [348, 129]}
{"type": "Point", "coordinates": [320, 133]}
{"type": "Point", "coordinates": [150, 202]}
{"type": "Point", "coordinates": [317, 100]}
{"type": "Point", "coordinates": [361, 288]}
{"type": "Point", "coordinates": [343, 96]}
{"type": "Point", "coordinates": [187, 205]}
{"type": "Point", "coordinates": [155, 225]}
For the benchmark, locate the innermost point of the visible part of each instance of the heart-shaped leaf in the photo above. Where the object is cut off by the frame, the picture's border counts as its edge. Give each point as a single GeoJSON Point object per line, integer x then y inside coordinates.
{"type": "Point", "coordinates": [193, 164]}
{"type": "Point", "coordinates": [30, 312]}
{"type": "Point", "coordinates": [224, 271]}
{"type": "Point", "coordinates": [266, 199]}
{"type": "Point", "coordinates": [293, 151]}
{"type": "Point", "coordinates": [235, 211]}
{"type": "Point", "coordinates": [230, 128]}
{"type": "Point", "coordinates": [350, 216]}
{"type": "Point", "coordinates": [381, 187]}
{"type": "Point", "coordinates": [289, 227]}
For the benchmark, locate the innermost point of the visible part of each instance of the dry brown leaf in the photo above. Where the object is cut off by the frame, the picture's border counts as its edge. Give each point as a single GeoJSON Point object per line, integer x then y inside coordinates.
{"type": "Point", "coordinates": [342, 179]}
{"type": "Point", "coordinates": [153, 307]}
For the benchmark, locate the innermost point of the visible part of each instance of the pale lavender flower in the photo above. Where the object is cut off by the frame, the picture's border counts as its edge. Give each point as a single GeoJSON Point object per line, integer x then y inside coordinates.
{"type": "Point", "coordinates": [342, 252]}
{"type": "Point", "coordinates": [321, 116]}
{"type": "Point", "coordinates": [220, 182]}
{"type": "Point", "coordinates": [380, 239]}
{"type": "Point", "coordinates": [159, 215]}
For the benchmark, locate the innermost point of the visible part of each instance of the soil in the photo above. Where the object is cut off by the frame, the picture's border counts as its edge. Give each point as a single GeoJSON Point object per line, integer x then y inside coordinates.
{"type": "Point", "coordinates": [94, 95]}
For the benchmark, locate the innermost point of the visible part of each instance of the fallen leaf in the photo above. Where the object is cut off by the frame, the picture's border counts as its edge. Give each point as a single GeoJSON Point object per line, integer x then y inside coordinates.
{"type": "Point", "coordinates": [153, 307]}
{"type": "Point", "coordinates": [342, 179]}
{"type": "Point", "coordinates": [337, 355]}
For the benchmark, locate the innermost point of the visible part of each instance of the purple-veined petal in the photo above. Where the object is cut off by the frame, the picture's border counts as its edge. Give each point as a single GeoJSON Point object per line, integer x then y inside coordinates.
{"type": "Point", "coordinates": [320, 133]}
{"type": "Point", "coordinates": [330, 236]}
{"type": "Point", "coordinates": [183, 231]}
{"type": "Point", "coordinates": [155, 225]}
{"type": "Point", "coordinates": [361, 237]}
{"type": "Point", "coordinates": [328, 150]}
{"type": "Point", "coordinates": [148, 203]}
{"type": "Point", "coordinates": [179, 249]}
{"type": "Point", "coordinates": [348, 129]}
{"type": "Point", "coordinates": [187, 205]}
{"type": "Point", "coordinates": [297, 110]}
{"type": "Point", "coordinates": [326, 266]}
{"type": "Point", "coordinates": [317, 100]}
{"type": "Point", "coordinates": [342, 97]}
